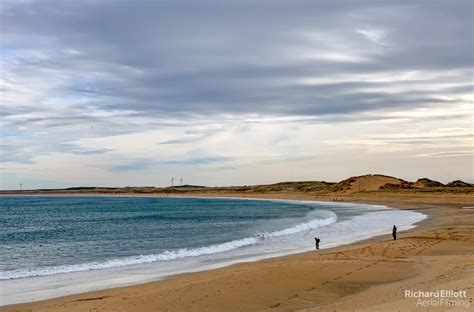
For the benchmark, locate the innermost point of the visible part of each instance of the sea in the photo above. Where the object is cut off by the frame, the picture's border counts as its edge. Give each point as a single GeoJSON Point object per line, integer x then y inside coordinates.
{"type": "Point", "coordinates": [52, 246]}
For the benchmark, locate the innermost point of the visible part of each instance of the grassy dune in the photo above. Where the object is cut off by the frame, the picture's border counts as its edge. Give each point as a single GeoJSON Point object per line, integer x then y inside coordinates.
{"type": "Point", "coordinates": [353, 185]}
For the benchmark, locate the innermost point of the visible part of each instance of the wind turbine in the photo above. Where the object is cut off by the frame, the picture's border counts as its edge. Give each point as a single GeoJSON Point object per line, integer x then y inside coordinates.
{"type": "Point", "coordinates": [172, 182]}
{"type": "Point", "coordinates": [181, 181]}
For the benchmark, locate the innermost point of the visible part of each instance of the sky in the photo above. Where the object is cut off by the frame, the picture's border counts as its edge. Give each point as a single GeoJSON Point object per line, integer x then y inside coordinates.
{"type": "Point", "coordinates": [132, 93]}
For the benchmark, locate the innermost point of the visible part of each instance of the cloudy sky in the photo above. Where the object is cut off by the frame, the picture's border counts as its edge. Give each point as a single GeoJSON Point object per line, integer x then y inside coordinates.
{"type": "Point", "coordinates": [116, 93]}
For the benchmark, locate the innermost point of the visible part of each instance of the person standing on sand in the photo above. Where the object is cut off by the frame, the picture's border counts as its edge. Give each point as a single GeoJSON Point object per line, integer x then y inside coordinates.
{"type": "Point", "coordinates": [317, 242]}
{"type": "Point", "coordinates": [394, 232]}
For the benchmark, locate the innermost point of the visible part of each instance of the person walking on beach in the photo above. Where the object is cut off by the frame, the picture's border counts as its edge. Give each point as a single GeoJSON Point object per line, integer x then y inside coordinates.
{"type": "Point", "coordinates": [317, 242]}
{"type": "Point", "coordinates": [394, 232]}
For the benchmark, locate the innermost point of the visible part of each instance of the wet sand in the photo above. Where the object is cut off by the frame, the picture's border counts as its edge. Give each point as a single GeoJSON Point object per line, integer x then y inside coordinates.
{"type": "Point", "coordinates": [371, 275]}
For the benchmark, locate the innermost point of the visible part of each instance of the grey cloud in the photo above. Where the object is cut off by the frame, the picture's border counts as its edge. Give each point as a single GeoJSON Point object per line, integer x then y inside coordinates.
{"type": "Point", "coordinates": [445, 154]}
{"type": "Point", "coordinates": [24, 150]}
{"type": "Point", "coordinates": [193, 136]}
{"type": "Point", "coordinates": [77, 150]}
{"type": "Point", "coordinates": [201, 58]}
{"type": "Point", "coordinates": [180, 141]}
{"type": "Point", "coordinates": [138, 165]}
{"type": "Point", "coordinates": [147, 163]}
{"type": "Point", "coordinates": [424, 137]}
{"type": "Point", "coordinates": [15, 153]}
{"type": "Point", "coordinates": [197, 161]}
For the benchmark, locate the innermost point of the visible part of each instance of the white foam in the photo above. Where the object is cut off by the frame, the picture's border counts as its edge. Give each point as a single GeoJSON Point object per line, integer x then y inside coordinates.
{"type": "Point", "coordinates": [313, 224]}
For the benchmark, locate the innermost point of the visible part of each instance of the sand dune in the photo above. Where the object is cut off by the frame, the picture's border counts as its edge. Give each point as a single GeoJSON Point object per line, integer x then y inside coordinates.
{"type": "Point", "coordinates": [370, 182]}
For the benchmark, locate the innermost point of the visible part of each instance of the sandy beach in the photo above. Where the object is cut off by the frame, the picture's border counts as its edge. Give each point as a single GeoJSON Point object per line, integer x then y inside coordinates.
{"type": "Point", "coordinates": [372, 275]}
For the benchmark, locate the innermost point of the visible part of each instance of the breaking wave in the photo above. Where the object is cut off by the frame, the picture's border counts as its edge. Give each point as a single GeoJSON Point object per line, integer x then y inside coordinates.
{"type": "Point", "coordinates": [175, 254]}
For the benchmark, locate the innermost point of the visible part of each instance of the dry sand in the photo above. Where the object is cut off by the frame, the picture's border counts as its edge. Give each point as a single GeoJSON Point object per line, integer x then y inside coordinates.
{"type": "Point", "coordinates": [367, 276]}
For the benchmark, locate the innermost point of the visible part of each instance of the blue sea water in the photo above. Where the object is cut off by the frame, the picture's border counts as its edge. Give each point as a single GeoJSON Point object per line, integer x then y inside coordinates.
{"type": "Point", "coordinates": [45, 240]}
{"type": "Point", "coordinates": [48, 231]}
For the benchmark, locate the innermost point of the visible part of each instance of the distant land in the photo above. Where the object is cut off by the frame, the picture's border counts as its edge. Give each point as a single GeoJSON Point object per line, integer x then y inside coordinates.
{"type": "Point", "coordinates": [360, 184]}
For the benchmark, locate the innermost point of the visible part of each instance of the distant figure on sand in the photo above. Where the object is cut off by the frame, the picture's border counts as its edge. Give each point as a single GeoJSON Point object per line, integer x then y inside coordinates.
{"type": "Point", "coordinates": [317, 242]}
{"type": "Point", "coordinates": [394, 232]}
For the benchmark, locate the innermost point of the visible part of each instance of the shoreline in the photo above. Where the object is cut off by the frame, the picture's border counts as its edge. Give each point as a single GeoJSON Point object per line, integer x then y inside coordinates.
{"type": "Point", "coordinates": [432, 210]}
